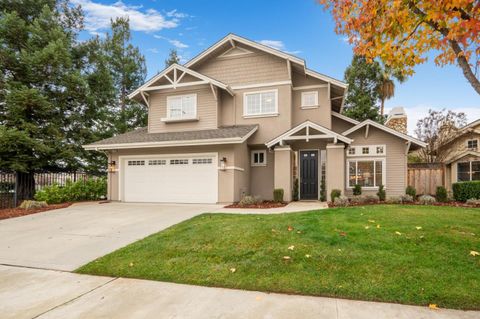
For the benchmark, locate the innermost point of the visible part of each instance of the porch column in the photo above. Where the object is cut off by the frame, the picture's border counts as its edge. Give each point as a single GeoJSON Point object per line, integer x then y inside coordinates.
{"type": "Point", "coordinates": [282, 174]}
{"type": "Point", "coordinates": [335, 168]}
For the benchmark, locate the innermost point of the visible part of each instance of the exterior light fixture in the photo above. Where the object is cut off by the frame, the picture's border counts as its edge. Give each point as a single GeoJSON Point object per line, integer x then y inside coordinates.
{"type": "Point", "coordinates": [223, 162]}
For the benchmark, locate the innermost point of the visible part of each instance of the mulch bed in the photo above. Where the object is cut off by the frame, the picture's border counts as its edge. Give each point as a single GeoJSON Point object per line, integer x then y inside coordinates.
{"type": "Point", "coordinates": [450, 204]}
{"type": "Point", "coordinates": [16, 212]}
{"type": "Point", "coordinates": [265, 204]}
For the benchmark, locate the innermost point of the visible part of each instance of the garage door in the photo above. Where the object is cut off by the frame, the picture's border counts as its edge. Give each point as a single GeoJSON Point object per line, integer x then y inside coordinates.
{"type": "Point", "coordinates": [171, 179]}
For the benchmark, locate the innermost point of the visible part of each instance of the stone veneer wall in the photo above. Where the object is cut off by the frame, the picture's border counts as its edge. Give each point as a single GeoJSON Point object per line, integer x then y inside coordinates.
{"type": "Point", "coordinates": [399, 124]}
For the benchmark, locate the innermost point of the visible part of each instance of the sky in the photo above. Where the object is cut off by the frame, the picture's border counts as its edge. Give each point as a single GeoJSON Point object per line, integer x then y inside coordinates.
{"type": "Point", "coordinates": [299, 27]}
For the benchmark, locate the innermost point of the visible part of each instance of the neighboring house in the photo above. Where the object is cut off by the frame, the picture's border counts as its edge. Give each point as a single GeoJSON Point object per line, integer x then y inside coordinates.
{"type": "Point", "coordinates": [243, 118]}
{"type": "Point", "coordinates": [461, 155]}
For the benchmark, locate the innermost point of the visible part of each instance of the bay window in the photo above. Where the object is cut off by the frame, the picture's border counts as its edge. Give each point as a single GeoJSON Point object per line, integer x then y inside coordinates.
{"type": "Point", "coordinates": [366, 173]}
{"type": "Point", "coordinates": [468, 171]}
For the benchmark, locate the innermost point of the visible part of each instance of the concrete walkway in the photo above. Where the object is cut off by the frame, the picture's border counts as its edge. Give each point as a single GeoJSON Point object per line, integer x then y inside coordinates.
{"type": "Point", "coordinates": [34, 293]}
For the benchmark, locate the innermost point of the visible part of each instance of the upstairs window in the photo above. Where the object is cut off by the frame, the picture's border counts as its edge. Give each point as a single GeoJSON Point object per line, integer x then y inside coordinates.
{"type": "Point", "coordinates": [182, 107]}
{"type": "Point", "coordinates": [260, 103]}
{"type": "Point", "coordinates": [309, 99]}
{"type": "Point", "coordinates": [472, 144]}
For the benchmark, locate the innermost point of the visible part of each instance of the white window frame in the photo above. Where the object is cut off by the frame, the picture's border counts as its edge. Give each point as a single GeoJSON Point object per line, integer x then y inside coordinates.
{"type": "Point", "coordinates": [171, 97]}
{"type": "Point", "coordinates": [266, 114]}
{"type": "Point", "coordinates": [470, 171]}
{"type": "Point", "coordinates": [252, 157]}
{"type": "Point", "coordinates": [473, 139]}
{"type": "Point", "coordinates": [305, 106]}
{"type": "Point", "coordinates": [366, 159]}
{"type": "Point", "coordinates": [372, 152]}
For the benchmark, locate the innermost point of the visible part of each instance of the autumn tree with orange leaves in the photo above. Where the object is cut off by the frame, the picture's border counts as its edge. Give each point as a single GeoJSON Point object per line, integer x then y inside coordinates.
{"type": "Point", "coordinates": [402, 32]}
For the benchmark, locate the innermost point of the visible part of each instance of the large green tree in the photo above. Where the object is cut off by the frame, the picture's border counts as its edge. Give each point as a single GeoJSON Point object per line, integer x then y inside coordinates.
{"type": "Point", "coordinates": [172, 58]}
{"type": "Point", "coordinates": [128, 69]}
{"type": "Point", "coordinates": [362, 98]}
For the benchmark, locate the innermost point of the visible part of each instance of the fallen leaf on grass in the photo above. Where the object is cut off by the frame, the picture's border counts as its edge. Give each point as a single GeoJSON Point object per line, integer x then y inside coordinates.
{"type": "Point", "coordinates": [433, 306]}
{"type": "Point", "coordinates": [371, 221]}
{"type": "Point", "coordinates": [308, 256]}
{"type": "Point", "coordinates": [418, 227]}
{"type": "Point", "coordinates": [286, 257]}
{"type": "Point", "coordinates": [474, 253]}
{"type": "Point", "coordinates": [290, 228]}
{"type": "Point", "coordinates": [291, 247]}
{"type": "Point", "coordinates": [398, 233]}
{"type": "Point", "coordinates": [339, 249]}
{"type": "Point", "coordinates": [233, 270]}
{"type": "Point", "coordinates": [131, 264]}
{"type": "Point", "coordinates": [274, 230]}
{"type": "Point", "coordinates": [378, 226]}
{"type": "Point", "coordinates": [343, 234]}
{"type": "Point", "coordinates": [367, 227]}
{"type": "Point", "coordinates": [299, 232]}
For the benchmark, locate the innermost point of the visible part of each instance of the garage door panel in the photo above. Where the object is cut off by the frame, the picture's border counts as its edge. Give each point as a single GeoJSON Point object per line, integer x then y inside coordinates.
{"type": "Point", "coordinates": [192, 179]}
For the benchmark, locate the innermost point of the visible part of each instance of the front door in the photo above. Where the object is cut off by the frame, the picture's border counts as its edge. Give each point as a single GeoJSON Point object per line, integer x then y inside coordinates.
{"type": "Point", "coordinates": [309, 175]}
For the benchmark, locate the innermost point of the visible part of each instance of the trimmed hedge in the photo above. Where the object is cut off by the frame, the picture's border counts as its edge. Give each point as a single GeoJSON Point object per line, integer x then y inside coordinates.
{"type": "Point", "coordinates": [91, 189]}
{"type": "Point", "coordinates": [278, 195]}
{"type": "Point", "coordinates": [464, 191]}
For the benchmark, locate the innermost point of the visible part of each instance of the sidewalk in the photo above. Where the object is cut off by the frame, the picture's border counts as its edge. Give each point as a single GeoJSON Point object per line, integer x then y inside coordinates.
{"type": "Point", "coordinates": [35, 293]}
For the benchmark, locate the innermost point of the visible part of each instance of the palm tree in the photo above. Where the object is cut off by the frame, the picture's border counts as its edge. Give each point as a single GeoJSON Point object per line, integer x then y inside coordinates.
{"type": "Point", "coordinates": [386, 86]}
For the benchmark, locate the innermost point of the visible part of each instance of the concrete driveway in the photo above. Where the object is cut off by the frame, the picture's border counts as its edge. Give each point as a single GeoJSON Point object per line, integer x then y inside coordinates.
{"type": "Point", "coordinates": [66, 239]}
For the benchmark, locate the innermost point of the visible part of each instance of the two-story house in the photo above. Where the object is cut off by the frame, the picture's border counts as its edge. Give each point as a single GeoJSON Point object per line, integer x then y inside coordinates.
{"type": "Point", "coordinates": [243, 118]}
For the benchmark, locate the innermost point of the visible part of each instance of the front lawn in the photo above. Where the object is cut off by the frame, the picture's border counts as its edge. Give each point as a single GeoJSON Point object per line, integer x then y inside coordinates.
{"type": "Point", "coordinates": [405, 254]}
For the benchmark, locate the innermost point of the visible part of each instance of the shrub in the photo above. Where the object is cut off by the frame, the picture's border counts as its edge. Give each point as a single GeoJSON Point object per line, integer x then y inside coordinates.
{"type": "Point", "coordinates": [295, 190]}
{"type": "Point", "coordinates": [464, 191]}
{"type": "Point", "coordinates": [357, 189]}
{"type": "Point", "coordinates": [407, 198]}
{"type": "Point", "coordinates": [441, 194]}
{"type": "Point", "coordinates": [334, 194]}
{"type": "Point", "coordinates": [473, 201]}
{"type": "Point", "coordinates": [31, 204]}
{"type": "Point", "coordinates": [341, 201]}
{"type": "Point", "coordinates": [90, 189]}
{"type": "Point", "coordinates": [364, 199]}
{"type": "Point", "coordinates": [427, 200]}
{"type": "Point", "coordinates": [323, 190]}
{"type": "Point", "coordinates": [400, 199]}
{"type": "Point", "coordinates": [249, 200]}
{"type": "Point", "coordinates": [410, 190]}
{"type": "Point", "coordinates": [278, 195]}
{"type": "Point", "coordinates": [381, 193]}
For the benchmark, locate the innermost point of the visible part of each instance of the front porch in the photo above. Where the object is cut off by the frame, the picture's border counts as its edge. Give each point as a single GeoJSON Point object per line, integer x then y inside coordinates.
{"type": "Point", "coordinates": [312, 155]}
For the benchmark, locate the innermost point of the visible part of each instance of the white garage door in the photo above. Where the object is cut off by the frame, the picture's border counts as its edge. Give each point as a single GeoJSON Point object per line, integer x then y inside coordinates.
{"type": "Point", "coordinates": [189, 178]}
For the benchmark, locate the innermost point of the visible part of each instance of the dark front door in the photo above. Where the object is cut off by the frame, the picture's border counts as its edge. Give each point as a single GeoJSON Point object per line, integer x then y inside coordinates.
{"type": "Point", "coordinates": [309, 175]}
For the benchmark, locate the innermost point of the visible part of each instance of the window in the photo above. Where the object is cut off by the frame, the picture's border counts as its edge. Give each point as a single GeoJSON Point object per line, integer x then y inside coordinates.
{"type": "Point", "coordinates": [351, 151]}
{"type": "Point", "coordinates": [472, 144]}
{"type": "Point", "coordinates": [178, 161]}
{"type": "Point", "coordinates": [136, 163]}
{"type": "Point", "coordinates": [366, 173]}
{"type": "Point", "coordinates": [362, 150]}
{"type": "Point", "coordinates": [310, 99]}
{"type": "Point", "coordinates": [259, 158]}
{"type": "Point", "coordinates": [182, 107]}
{"type": "Point", "coordinates": [468, 171]}
{"type": "Point", "coordinates": [202, 161]}
{"type": "Point", "coordinates": [260, 103]}
{"type": "Point", "coordinates": [380, 149]}
{"type": "Point", "coordinates": [365, 150]}
{"type": "Point", "coordinates": [157, 162]}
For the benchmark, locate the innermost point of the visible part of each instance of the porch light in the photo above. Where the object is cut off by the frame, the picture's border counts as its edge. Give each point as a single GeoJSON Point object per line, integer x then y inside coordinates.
{"type": "Point", "coordinates": [111, 166]}
{"type": "Point", "coordinates": [223, 162]}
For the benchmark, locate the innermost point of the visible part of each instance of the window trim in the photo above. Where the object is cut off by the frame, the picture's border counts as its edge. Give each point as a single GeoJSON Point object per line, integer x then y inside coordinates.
{"type": "Point", "coordinates": [252, 156]}
{"type": "Point", "coordinates": [170, 118]}
{"type": "Point", "coordinates": [470, 171]}
{"type": "Point", "coordinates": [372, 150]}
{"type": "Point", "coordinates": [472, 139]}
{"type": "Point", "coordinates": [315, 105]}
{"type": "Point", "coordinates": [366, 159]}
{"type": "Point", "coordinates": [274, 113]}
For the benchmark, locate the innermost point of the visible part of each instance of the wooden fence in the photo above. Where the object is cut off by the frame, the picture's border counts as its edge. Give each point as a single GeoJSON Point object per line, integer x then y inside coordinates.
{"type": "Point", "coordinates": [425, 177]}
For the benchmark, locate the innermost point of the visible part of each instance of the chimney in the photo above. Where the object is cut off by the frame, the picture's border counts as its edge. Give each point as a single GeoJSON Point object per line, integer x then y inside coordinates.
{"type": "Point", "coordinates": [397, 119]}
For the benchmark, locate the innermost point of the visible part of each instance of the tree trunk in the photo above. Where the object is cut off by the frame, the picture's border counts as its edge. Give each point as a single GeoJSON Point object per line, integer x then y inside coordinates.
{"type": "Point", "coordinates": [382, 107]}
{"type": "Point", "coordinates": [465, 66]}
{"type": "Point", "coordinates": [24, 186]}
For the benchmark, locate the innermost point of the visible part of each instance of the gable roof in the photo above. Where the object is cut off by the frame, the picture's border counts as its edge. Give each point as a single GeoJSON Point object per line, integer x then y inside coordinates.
{"type": "Point", "coordinates": [386, 129]}
{"type": "Point", "coordinates": [309, 124]}
{"type": "Point", "coordinates": [345, 118]}
{"type": "Point", "coordinates": [140, 138]}
{"type": "Point", "coordinates": [177, 67]}
{"type": "Point", "coordinates": [462, 131]}
{"type": "Point", "coordinates": [461, 155]}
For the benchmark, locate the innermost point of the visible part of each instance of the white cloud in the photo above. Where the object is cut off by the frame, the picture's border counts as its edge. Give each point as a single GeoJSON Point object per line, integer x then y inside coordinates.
{"type": "Point", "coordinates": [415, 113]}
{"type": "Point", "coordinates": [98, 16]}
{"type": "Point", "coordinates": [178, 44]}
{"type": "Point", "coordinates": [175, 14]}
{"type": "Point", "coordinates": [153, 50]}
{"type": "Point", "coordinates": [278, 45]}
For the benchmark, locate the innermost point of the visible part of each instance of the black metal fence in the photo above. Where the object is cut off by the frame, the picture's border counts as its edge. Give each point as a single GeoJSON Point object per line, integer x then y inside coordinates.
{"type": "Point", "coordinates": [16, 187]}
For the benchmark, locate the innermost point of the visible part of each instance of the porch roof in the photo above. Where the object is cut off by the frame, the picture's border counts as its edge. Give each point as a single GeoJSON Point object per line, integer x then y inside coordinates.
{"type": "Point", "coordinates": [326, 133]}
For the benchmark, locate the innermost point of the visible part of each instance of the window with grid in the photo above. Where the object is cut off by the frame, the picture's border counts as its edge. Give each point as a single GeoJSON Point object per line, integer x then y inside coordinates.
{"type": "Point", "coordinates": [472, 144]}
{"type": "Point", "coordinates": [468, 171]}
{"type": "Point", "coordinates": [202, 161]}
{"type": "Point", "coordinates": [260, 103]}
{"type": "Point", "coordinates": [182, 106]}
{"type": "Point", "coordinates": [310, 99]}
{"type": "Point", "coordinates": [178, 161]}
{"type": "Point", "coordinates": [259, 158]}
{"type": "Point", "coordinates": [366, 173]}
{"type": "Point", "coordinates": [157, 162]}
{"type": "Point", "coordinates": [136, 163]}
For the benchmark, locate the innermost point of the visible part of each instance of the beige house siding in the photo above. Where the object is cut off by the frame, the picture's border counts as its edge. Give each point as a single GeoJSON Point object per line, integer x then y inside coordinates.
{"type": "Point", "coordinates": [320, 115]}
{"type": "Point", "coordinates": [257, 67]}
{"type": "Point", "coordinates": [206, 110]}
{"type": "Point", "coordinates": [230, 181]}
{"type": "Point", "coordinates": [339, 125]}
{"type": "Point", "coordinates": [396, 159]}
{"type": "Point", "coordinates": [304, 80]}
{"type": "Point", "coordinates": [261, 178]}
{"type": "Point", "coordinates": [458, 146]}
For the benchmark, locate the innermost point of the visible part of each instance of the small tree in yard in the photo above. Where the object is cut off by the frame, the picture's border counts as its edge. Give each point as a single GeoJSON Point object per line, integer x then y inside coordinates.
{"type": "Point", "coordinates": [435, 129]}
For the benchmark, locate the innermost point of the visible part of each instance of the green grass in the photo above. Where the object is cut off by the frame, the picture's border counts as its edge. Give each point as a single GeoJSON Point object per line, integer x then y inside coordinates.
{"type": "Point", "coordinates": [430, 265]}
